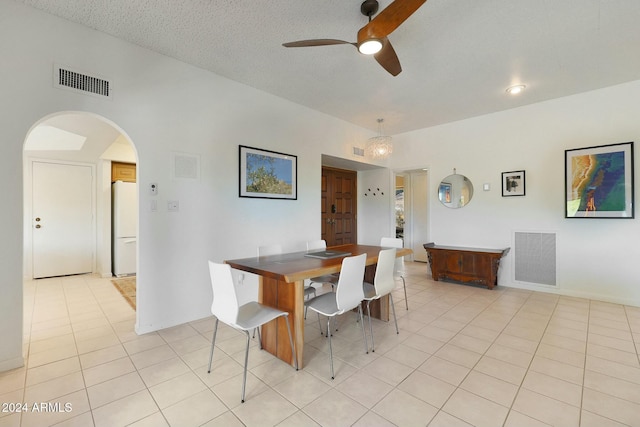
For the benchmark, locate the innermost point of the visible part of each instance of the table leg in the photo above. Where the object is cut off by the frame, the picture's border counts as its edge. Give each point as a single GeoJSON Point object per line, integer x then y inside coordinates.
{"type": "Point", "coordinates": [286, 297]}
{"type": "Point", "coordinates": [379, 308]}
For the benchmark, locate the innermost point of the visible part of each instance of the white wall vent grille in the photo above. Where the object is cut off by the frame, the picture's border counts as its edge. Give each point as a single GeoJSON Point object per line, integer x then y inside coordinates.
{"type": "Point", "coordinates": [358, 151]}
{"type": "Point", "coordinates": [535, 258]}
{"type": "Point", "coordinates": [68, 79]}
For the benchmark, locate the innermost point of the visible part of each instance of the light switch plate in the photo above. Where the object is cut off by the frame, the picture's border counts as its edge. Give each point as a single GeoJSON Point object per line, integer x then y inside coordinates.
{"type": "Point", "coordinates": [173, 206]}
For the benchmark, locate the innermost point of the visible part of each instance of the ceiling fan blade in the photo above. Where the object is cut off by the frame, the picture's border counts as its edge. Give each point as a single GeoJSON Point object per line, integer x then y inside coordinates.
{"type": "Point", "coordinates": [388, 59]}
{"type": "Point", "coordinates": [389, 19]}
{"type": "Point", "coordinates": [315, 42]}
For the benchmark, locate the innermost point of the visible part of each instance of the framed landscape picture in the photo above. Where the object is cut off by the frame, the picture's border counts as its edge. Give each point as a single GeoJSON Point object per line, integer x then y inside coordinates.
{"type": "Point", "coordinates": [599, 181]}
{"type": "Point", "coordinates": [268, 174]}
{"type": "Point", "coordinates": [513, 183]}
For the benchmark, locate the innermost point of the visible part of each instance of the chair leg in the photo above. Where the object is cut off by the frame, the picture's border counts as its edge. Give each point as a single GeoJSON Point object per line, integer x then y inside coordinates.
{"type": "Point", "coordinates": [364, 335]}
{"type": "Point", "coordinates": [330, 349]}
{"type": "Point", "coordinates": [259, 336]}
{"type": "Point", "coordinates": [213, 343]}
{"type": "Point", "coordinates": [293, 353]}
{"type": "Point", "coordinates": [246, 361]}
{"type": "Point", "coordinates": [320, 325]}
{"type": "Point", "coordinates": [395, 319]}
{"type": "Point", "coordinates": [404, 285]}
{"type": "Point", "coordinates": [373, 345]}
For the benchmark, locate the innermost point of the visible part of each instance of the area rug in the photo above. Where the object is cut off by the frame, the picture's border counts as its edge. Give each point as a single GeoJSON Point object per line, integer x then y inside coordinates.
{"type": "Point", "coordinates": [127, 288]}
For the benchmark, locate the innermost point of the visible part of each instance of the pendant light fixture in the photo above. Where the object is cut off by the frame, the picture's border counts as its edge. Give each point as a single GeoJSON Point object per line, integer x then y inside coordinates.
{"type": "Point", "coordinates": [381, 146]}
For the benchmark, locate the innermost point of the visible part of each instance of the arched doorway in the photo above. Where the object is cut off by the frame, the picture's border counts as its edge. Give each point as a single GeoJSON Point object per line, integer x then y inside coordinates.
{"type": "Point", "coordinates": [75, 146]}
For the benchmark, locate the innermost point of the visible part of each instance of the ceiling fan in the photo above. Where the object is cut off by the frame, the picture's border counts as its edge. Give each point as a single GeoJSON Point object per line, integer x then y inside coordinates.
{"type": "Point", "coordinates": [372, 38]}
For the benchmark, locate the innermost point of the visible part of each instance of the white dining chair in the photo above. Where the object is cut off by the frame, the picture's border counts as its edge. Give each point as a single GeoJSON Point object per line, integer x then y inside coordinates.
{"type": "Point", "coordinates": [383, 284]}
{"type": "Point", "coordinates": [267, 250]}
{"type": "Point", "coordinates": [392, 242]}
{"type": "Point", "coordinates": [332, 279]}
{"type": "Point", "coordinates": [246, 317]}
{"type": "Point", "coordinates": [348, 295]}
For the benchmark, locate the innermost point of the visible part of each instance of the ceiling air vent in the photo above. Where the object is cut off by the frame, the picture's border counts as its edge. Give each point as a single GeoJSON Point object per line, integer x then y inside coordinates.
{"type": "Point", "coordinates": [68, 79]}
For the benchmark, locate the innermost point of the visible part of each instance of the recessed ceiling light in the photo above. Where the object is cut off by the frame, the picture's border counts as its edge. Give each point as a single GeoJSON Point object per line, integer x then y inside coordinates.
{"type": "Point", "coordinates": [514, 90]}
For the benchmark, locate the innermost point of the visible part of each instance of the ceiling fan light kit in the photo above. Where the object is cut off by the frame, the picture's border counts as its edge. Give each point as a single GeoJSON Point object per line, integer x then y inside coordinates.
{"type": "Point", "coordinates": [372, 38]}
{"type": "Point", "coordinates": [369, 47]}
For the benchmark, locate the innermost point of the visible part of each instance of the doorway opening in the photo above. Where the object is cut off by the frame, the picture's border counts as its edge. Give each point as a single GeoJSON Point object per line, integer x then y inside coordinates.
{"type": "Point", "coordinates": [412, 210]}
{"type": "Point", "coordinates": [67, 159]}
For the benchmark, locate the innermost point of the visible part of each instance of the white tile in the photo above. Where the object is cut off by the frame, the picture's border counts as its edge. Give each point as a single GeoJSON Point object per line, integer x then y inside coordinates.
{"type": "Point", "coordinates": [402, 409]}
{"type": "Point", "coordinates": [546, 409]}
{"type": "Point", "coordinates": [267, 408]}
{"type": "Point", "coordinates": [107, 371]}
{"type": "Point", "coordinates": [114, 389]}
{"type": "Point", "coordinates": [614, 408]}
{"type": "Point", "coordinates": [176, 389]}
{"type": "Point", "coordinates": [427, 388]}
{"type": "Point", "coordinates": [125, 411]}
{"type": "Point", "coordinates": [474, 409]}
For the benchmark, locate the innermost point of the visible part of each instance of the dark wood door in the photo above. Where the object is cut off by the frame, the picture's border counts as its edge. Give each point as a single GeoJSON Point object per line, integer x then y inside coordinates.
{"type": "Point", "coordinates": [338, 206]}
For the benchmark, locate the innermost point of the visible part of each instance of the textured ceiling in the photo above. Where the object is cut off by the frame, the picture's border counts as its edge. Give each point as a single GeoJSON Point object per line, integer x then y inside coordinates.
{"type": "Point", "coordinates": [458, 56]}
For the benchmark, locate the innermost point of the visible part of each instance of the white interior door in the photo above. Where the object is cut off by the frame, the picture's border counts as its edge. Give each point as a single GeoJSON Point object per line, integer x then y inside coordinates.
{"type": "Point", "coordinates": [62, 220]}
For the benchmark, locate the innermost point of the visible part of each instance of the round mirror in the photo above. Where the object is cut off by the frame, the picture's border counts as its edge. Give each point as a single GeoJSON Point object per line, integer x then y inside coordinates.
{"type": "Point", "coordinates": [455, 191]}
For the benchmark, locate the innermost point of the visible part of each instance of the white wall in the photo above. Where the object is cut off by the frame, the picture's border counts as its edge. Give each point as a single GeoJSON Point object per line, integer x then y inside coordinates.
{"type": "Point", "coordinates": [376, 196]}
{"type": "Point", "coordinates": [164, 106]}
{"type": "Point", "coordinates": [596, 258]}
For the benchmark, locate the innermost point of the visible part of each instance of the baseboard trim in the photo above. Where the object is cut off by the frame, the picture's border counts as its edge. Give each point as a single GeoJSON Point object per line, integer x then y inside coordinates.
{"type": "Point", "coordinates": [10, 364]}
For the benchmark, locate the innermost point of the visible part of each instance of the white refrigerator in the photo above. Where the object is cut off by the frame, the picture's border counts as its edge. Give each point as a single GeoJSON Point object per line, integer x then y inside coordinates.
{"type": "Point", "coordinates": [124, 216]}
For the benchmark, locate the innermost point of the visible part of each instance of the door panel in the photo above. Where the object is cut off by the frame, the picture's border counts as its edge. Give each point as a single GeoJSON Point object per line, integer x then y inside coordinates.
{"type": "Point", "coordinates": [62, 220]}
{"type": "Point", "coordinates": [339, 207]}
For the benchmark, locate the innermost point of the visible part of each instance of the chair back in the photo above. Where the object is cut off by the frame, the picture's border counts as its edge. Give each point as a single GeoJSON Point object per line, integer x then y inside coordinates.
{"type": "Point", "coordinates": [392, 242]}
{"type": "Point", "coordinates": [316, 244]}
{"type": "Point", "coordinates": [383, 280]}
{"type": "Point", "coordinates": [269, 250]}
{"type": "Point", "coordinates": [225, 300]}
{"type": "Point", "coordinates": [349, 291]}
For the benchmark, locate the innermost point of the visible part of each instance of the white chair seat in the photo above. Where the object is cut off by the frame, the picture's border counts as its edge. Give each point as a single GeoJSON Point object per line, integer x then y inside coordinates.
{"type": "Point", "coordinates": [324, 304]}
{"type": "Point", "coordinates": [328, 278]}
{"type": "Point", "coordinates": [369, 290]}
{"type": "Point", "coordinates": [253, 314]}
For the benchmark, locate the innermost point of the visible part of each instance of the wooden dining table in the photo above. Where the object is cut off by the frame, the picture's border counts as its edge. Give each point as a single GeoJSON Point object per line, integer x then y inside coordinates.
{"type": "Point", "coordinates": [281, 282]}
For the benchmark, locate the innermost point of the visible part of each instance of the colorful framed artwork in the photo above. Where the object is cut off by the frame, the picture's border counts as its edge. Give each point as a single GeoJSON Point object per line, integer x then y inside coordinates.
{"type": "Point", "coordinates": [513, 183]}
{"type": "Point", "coordinates": [268, 174]}
{"type": "Point", "coordinates": [599, 181]}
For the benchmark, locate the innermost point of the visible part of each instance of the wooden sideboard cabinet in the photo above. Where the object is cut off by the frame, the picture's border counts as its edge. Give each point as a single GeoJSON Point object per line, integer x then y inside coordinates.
{"type": "Point", "coordinates": [469, 265]}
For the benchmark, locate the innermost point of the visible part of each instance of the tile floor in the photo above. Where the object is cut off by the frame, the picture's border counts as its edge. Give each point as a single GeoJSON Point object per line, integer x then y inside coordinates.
{"type": "Point", "coordinates": [465, 356]}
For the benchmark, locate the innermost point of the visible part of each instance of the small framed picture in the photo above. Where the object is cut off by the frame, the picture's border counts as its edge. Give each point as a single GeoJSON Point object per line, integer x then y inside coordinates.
{"type": "Point", "coordinates": [513, 183]}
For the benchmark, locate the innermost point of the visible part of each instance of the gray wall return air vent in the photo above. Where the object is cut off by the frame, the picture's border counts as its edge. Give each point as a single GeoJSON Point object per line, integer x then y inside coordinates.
{"type": "Point", "coordinates": [535, 257]}
{"type": "Point", "coordinates": [68, 79]}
